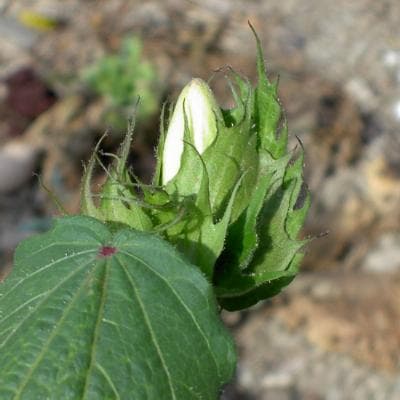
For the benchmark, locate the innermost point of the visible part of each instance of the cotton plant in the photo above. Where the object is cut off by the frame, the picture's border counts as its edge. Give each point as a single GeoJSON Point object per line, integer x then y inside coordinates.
{"type": "Point", "coordinates": [123, 301]}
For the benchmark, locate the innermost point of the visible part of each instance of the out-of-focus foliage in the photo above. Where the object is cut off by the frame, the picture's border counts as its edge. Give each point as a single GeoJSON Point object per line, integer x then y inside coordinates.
{"type": "Point", "coordinates": [122, 79]}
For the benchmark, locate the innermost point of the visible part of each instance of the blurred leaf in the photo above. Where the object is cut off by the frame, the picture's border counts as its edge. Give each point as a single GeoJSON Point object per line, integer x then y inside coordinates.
{"type": "Point", "coordinates": [40, 22]}
{"type": "Point", "coordinates": [125, 77]}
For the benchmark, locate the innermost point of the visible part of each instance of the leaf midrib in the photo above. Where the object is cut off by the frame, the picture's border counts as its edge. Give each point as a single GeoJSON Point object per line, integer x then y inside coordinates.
{"type": "Point", "coordinates": [96, 331]}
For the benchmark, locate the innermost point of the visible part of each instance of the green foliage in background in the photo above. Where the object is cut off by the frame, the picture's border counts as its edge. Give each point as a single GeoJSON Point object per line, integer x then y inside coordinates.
{"type": "Point", "coordinates": [124, 77]}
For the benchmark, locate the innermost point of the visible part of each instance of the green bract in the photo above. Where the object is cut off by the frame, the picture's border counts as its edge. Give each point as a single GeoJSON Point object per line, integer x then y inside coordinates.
{"type": "Point", "coordinates": [227, 192]}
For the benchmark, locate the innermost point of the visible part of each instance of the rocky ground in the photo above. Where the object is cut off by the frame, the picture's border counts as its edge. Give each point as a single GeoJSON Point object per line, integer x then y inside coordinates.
{"type": "Point", "coordinates": [327, 337]}
{"type": "Point", "coordinates": [335, 333]}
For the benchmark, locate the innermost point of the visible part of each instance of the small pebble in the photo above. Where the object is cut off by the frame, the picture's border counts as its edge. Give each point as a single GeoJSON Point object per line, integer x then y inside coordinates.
{"type": "Point", "coordinates": [17, 163]}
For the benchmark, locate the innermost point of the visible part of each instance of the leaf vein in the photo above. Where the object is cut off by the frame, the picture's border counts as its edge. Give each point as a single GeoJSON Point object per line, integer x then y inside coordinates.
{"type": "Point", "coordinates": [55, 329]}
{"type": "Point", "coordinates": [108, 379]}
{"type": "Point", "coordinates": [43, 269]}
{"type": "Point", "coordinates": [45, 298]}
{"type": "Point", "coordinates": [52, 244]}
{"type": "Point", "coordinates": [202, 333]}
{"type": "Point", "coordinates": [149, 326]}
{"type": "Point", "coordinates": [10, 314]}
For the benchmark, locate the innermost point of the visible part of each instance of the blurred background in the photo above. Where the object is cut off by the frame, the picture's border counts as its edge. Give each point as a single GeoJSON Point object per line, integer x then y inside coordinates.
{"type": "Point", "coordinates": [69, 70]}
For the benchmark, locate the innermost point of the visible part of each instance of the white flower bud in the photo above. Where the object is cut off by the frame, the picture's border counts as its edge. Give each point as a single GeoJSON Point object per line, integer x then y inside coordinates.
{"type": "Point", "coordinates": [197, 105]}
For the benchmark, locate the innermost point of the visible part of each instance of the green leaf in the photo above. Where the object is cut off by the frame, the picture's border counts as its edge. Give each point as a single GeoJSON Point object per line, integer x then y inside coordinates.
{"type": "Point", "coordinates": [88, 313]}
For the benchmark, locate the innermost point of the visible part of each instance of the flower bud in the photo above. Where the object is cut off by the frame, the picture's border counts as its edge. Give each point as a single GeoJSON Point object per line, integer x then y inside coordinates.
{"type": "Point", "coordinates": [237, 210]}
{"type": "Point", "coordinates": [197, 110]}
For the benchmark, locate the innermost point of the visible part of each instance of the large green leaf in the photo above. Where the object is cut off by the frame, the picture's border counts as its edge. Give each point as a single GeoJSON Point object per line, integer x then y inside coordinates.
{"type": "Point", "coordinates": [88, 313]}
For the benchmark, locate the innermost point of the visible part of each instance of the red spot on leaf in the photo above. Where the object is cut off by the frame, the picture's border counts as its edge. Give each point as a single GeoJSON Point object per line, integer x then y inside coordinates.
{"type": "Point", "coordinates": [107, 251]}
